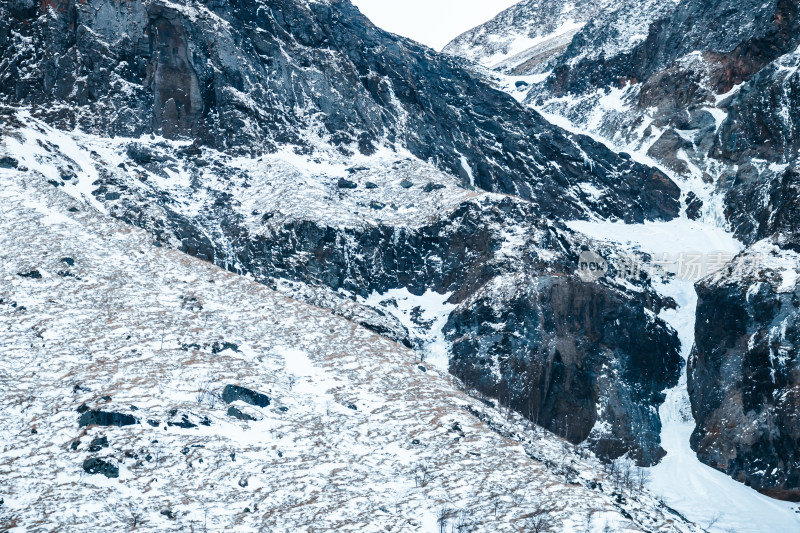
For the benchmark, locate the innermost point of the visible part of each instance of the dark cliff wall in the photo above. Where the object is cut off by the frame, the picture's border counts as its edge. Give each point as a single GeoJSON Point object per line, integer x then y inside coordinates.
{"type": "Point", "coordinates": [561, 351]}
{"type": "Point", "coordinates": [744, 379]}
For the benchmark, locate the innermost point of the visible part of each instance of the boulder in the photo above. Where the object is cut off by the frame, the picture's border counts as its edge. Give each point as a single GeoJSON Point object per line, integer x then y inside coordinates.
{"type": "Point", "coordinates": [106, 418]}
{"type": "Point", "coordinates": [233, 393]}
{"type": "Point", "coordinates": [94, 465]}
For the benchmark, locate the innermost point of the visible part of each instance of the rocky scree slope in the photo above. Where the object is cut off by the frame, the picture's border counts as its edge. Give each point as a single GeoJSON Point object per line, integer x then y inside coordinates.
{"type": "Point", "coordinates": [145, 389]}
{"type": "Point", "coordinates": [320, 150]}
{"type": "Point", "coordinates": [707, 89]}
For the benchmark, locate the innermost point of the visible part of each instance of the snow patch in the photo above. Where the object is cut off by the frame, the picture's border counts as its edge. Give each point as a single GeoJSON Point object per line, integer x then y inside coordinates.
{"type": "Point", "coordinates": [423, 316]}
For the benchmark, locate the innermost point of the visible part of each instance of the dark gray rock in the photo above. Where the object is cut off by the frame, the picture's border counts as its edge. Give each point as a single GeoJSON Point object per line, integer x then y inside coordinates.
{"type": "Point", "coordinates": [561, 352]}
{"type": "Point", "coordinates": [458, 252]}
{"type": "Point", "coordinates": [694, 206]}
{"type": "Point", "coordinates": [744, 377]}
{"type": "Point", "coordinates": [430, 187]}
{"type": "Point", "coordinates": [754, 34]}
{"type": "Point", "coordinates": [233, 393]}
{"type": "Point", "coordinates": [695, 50]}
{"type": "Point", "coordinates": [94, 465]}
{"type": "Point", "coordinates": [98, 444]}
{"type": "Point", "coordinates": [106, 418]}
{"type": "Point", "coordinates": [236, 413]}
{"type": "Point", "coordinates": [8, 162]}
{"type": "Point", "coordinates": [218, 347]}
{"type": "Point", "coordinates": [761, 207]}
{"type": "Point", "coordinates": [346, 184]}
{"type": "Point", "coordinates": [186, 420]}
{"type": "Point", "coordinates": [145, 67]}
{"type": "Point", "coordinates": [762, 116]}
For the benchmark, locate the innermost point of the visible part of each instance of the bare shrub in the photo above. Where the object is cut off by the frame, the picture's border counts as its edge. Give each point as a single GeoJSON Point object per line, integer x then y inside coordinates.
{"type": "Point", "coordinates": [443, 518]}
{"type": "Point", "coordinates": [205, 394]}
{"type": "Point", "coordinates": [422, 474]}
{"type": "Point", "coordinates": [541, 519]}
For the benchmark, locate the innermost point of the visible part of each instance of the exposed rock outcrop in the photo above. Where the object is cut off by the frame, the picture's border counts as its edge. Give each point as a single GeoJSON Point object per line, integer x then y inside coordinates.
{"type": "Point", "coordinates": [94, 465]}
{"type": "Point", "coordinates": [744, 373]}
{"type": "Point", "coordinates": [233, 393]}
{"type": "Point", "coordinates": [475, 242]}
{"type": "Point", "coordinates": [560, 350]}
{"type": "Point", "coordinates": [106, 418]}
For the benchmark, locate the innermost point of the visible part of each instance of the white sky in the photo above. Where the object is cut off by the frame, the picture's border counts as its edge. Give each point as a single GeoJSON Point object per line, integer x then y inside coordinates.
{"type": "Point", "coordinates": [431, 22]}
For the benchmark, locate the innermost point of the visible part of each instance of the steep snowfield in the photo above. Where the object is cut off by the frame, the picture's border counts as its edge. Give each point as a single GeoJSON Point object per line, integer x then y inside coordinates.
{"type": "Point", "coordinates": [358, 435]}
{"type": "Point", "coordinates": [704, 495]}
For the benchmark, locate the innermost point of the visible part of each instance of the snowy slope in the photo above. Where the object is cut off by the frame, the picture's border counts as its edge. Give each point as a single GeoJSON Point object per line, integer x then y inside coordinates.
{"type": "Point", "coordinates": [360, 241]}
{"type": "Point", "coordinates": [357, 435]}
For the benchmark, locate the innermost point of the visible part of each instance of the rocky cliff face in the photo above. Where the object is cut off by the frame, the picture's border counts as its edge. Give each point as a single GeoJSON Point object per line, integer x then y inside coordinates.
{"type": "Point", "coordinates": [744, 371]}
{"type": "Point", "coordinates": [684, 86]}
{"type": "Point", "coordinates": [559, 351]}
{"type": "Point", "coordinates": [251, 76]}
{"type": "Point", "coordinates": [736, 40]}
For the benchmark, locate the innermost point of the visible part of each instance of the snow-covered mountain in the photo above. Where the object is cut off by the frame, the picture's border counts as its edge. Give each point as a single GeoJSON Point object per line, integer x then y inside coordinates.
{"type": "Point", "coordinates": [145, 389]}
{"type": "Point", "coordinates": [320, 207]}
{"type": "Point", "coordinates": [268, 267]}
{"type": "Point", "coordinates": [255, 76]}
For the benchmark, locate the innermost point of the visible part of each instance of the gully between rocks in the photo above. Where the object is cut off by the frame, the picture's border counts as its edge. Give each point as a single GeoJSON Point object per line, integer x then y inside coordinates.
{"type": "Point", "coordinates": [704, 495]}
